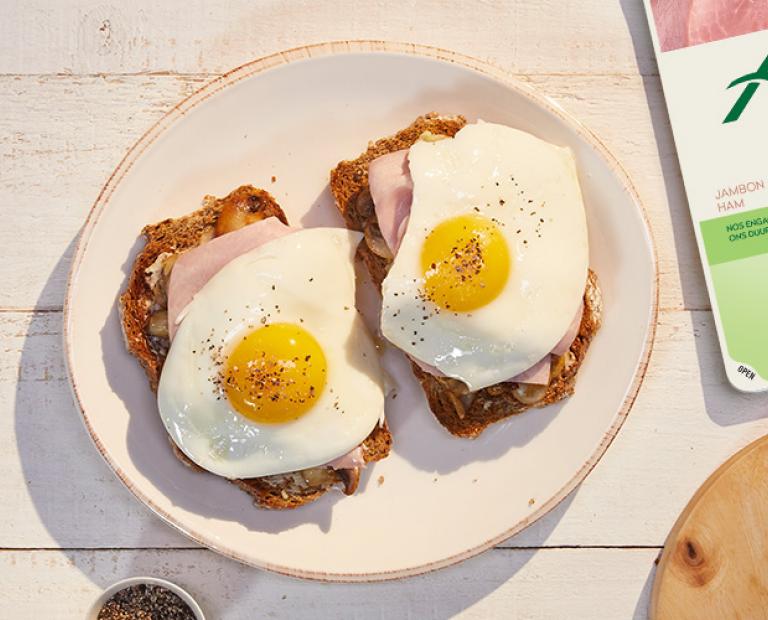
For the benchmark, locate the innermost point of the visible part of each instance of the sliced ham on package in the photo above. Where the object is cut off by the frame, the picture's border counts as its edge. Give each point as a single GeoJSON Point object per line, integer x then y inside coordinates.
{"type": "Point", "coordinates": [713, 63]}
{"type": "Point", "coordinates": [682, 23]}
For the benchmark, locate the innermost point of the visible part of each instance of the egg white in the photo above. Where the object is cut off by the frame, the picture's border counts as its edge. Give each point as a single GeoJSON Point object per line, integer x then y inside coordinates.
{"type": "Point", "coordinates": [517, 180]}
{"type": "Point", "coordinates": [306, 278]}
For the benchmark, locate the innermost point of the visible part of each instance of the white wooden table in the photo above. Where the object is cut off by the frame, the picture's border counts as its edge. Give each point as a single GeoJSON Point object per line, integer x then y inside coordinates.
{"type": "Point", "coordinates": [80, 81]}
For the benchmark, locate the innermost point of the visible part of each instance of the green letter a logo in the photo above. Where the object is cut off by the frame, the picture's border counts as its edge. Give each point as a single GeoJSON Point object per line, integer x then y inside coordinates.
{"type": "Point", "coordinates": [753, 82]}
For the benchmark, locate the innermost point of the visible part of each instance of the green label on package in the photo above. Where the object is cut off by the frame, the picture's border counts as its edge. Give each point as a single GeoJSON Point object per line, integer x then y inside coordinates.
{"type": "Point", "coordinates": [714, 69]}
{"type": "Point", "coordinates": [737, 253]}
{"type": "Point", "coordinates": [737, 236]}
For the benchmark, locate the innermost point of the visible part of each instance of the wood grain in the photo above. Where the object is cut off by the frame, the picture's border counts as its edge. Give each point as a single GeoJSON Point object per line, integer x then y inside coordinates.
{"type": "Point", "coordinates": [714, 561]}
{"type": "Point", "coordinates": [54, 162]}
{"type": "Point", "coordinates": [88, 37]}
{"type": "Point", "coordinates": [500, 584]}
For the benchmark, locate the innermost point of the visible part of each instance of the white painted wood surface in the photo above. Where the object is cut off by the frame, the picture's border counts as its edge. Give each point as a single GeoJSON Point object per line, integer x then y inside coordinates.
{"type": "Point", "coordinates": [80, 80]}
{"type": "Point", "coordinates": [504, 583]}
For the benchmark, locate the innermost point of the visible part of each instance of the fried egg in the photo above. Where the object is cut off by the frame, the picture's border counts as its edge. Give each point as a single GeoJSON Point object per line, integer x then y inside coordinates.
{"type": "Point", "coordinates": [493, 263]}
{"type": "Point", "coordinates": [272, 369]}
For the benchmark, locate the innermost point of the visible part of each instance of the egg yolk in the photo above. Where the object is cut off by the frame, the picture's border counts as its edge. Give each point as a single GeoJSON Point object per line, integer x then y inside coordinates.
{"type": "Point", "coordinates": [275, 373]}
{"type": "Point", "coordinates": [465, 262]}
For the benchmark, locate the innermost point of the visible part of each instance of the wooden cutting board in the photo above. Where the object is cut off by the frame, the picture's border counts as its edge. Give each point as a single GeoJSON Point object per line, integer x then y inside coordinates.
{"type": "Point", "coordinates": [715, 561]}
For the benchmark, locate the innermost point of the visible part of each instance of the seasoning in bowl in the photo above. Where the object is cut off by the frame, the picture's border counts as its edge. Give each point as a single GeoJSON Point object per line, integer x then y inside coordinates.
{"type": "Point", "coordinates": [145, 602]}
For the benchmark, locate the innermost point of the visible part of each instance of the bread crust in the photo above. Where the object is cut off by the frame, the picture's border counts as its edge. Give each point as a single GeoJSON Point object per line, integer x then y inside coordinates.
{"type": "Point", "coordinates": [145, 297]}
{"type": "Point", "coordinates": [461, 413]}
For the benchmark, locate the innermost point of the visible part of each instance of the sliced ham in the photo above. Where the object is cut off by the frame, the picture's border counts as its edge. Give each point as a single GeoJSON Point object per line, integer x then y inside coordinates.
{"type": "Point", "coordinates": [389, 178]}
{"type": "Point", "coordinates": [712, 20]}
{"type": "Point", "coordinates": [671, 17]}
{"type": "Point", "coordinates": [350, 460]}
{"type": "Point", "coordinates": [682, 23]}
{"type": "Point", "coordinates": [573, 330]}
{"type": "Point", "coordinates": [538, 374]}
{"type": "Point", "coordinates": [426, 367]}
{"type": "Point", "coordinates": [391, 188]}
{"type": "Point", "coordinates": [194, 268]}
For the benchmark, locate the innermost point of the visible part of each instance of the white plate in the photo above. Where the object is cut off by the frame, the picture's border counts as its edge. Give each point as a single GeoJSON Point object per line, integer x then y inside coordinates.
{"type": "Point", "coordinates": [295, 115]}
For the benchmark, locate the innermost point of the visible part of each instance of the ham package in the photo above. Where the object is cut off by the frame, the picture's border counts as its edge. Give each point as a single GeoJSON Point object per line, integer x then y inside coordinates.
{"type": "Point", "coordinates": [713, 62]}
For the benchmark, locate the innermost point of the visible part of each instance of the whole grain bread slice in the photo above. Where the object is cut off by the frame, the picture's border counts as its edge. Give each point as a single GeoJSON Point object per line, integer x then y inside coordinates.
{"type": "Point", "coordinates": [144, 322]}
{"type": "Point", "coordinates": [462, 413]}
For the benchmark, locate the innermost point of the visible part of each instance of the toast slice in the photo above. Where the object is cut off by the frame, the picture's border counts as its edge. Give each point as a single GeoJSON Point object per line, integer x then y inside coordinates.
{"type": "Point", "coordinates": [462, 413]}
{"type": "Point", "coordinates": [144, 322]}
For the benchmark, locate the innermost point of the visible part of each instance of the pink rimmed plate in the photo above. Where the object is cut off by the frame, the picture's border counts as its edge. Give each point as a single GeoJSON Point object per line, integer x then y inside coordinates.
{"type": "Point", "coordinates": [437, 499]}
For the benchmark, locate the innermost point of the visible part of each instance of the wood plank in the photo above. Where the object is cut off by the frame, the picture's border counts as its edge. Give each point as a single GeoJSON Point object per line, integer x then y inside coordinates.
{"type": "Point", "coordinates": [72, 36]}
{"type": "Point", "coordinates": [53, 166]}
{"type": "Point", "coordinates": [686, 421]}
{"type": "Point", "coordinates": [573, 583]}
{"type": "Point", "coordinates": [56, 489]}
